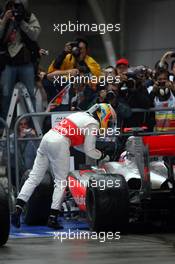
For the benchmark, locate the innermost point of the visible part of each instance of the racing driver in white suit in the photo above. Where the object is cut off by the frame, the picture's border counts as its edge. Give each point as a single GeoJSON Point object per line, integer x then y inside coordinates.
{"type": "Point", "coordinates": [75, 130]}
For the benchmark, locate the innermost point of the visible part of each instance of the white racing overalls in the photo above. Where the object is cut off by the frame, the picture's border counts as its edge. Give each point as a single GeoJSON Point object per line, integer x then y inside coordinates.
{"type": "Point", "coordinates": [78, 129]}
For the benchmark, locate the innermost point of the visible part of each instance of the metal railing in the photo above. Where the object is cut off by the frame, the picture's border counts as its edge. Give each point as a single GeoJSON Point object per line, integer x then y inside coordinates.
{"type": "Point", "coordinates": [45, 114]}
{"type": "Point", "coordinates": [150, 110]}
{"type": "Point", "coordinates": [17, 139]}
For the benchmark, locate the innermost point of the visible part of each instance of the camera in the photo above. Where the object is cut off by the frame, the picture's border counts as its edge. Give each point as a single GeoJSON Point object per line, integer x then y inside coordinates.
{"type": "Point", "coordinates": [110, 96]}
{"type": "Point", "coordinates": [27, 131]}
{"type": "Point", "coordinates": [75, 50]}
{"type": "Point", "coordinates": [130, 84]}
{"type": "Point", "coordinates": [135, 78]}
{"type": "Point", "coordinates": [163, 90]}
{"type": "Point", "coordinates": [18, 11]}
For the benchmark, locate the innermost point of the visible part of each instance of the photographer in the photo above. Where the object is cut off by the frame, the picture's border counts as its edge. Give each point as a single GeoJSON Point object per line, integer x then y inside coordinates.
{"type": "Point", "coordinates": [163, 95]}
{"type": "Point", "coordinates": [133, 92]}
{"type": "Point", "coordinates": [19, 31]}
{"type": "Point", "coordinates": [109, 85]}
{"type": "Point", "coordinates": [74, 61]}
{"type": "Point", "coordinates": [27, 149]}
{"type": "Point", "coordinates": [122, 66]}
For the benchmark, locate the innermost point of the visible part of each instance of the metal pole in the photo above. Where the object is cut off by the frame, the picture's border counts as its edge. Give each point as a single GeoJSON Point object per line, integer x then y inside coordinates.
{"type": "Point", "coordinates": [49, 114]}
{"type": "Point", "coordinates": [106, 38]}
{"type": "Point", "coordinates": [122, 32]}
{"type": "Point", "coordinates": [16, 139]}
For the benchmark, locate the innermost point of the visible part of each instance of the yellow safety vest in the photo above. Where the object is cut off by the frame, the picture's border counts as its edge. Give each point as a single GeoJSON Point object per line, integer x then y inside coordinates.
{"type": "Point", "coordinates": [69, 63]}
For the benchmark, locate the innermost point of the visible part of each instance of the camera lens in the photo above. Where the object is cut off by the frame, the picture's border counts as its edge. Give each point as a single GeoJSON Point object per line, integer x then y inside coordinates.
{"type": "Point", "coordinates": [131, 83]}
{"type": "Point", "coordinates": [110, 95]}
{"type": "Point", "coordinates": [76, 51]}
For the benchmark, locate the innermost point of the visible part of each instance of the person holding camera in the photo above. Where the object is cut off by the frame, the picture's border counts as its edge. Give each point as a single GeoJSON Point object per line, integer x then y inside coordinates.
{"type": "Point", "coordinates": [75, 61]}
{"type": "Point", "coordinates": [19, 31]}
{"type": "Point", "coordinates": [163, 96]}
{"type": "Point", "coordinates": [108, 89]}
{"type": "Point", "coordinates": [122, 66]}
{"type": "Point", "coordinates": [27, 149]}
{"type": "Point", "coordinates": [134, 93]}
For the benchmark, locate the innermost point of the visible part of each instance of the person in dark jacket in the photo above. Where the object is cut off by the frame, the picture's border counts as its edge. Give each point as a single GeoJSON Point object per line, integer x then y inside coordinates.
{"type": "Point", "coordinates": [19, 31]}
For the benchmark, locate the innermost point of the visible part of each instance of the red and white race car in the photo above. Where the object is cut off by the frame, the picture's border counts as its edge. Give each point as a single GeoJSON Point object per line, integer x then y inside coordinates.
{"type": "Point", "coordinates": [136, 188]}
{"type": "Point", "coordinates": [140, 187]}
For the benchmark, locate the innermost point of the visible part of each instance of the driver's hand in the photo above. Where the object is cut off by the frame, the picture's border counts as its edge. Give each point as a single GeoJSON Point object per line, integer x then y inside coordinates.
{"type": "Point", "coordinates": [106, 159]}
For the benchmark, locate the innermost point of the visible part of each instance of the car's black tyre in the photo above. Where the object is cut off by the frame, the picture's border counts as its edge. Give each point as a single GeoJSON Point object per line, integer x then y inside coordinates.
{"type": "Point", "coordinates": [107, 210]}
{"type": "Point", "coordinates": [4, 217]}
{"type": "Point", "coordinates": [38, 206]}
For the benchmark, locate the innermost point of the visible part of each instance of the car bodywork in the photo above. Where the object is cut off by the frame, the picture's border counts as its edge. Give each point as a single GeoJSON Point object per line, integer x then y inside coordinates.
{"type": "Point", "coordinates": [150, 182]}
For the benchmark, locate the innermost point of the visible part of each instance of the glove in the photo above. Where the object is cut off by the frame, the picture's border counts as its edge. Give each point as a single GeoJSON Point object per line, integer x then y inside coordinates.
{"type": "Point", "coordinates": [104, 157]}
{"type": "Point", "coordinates": [107, 154]}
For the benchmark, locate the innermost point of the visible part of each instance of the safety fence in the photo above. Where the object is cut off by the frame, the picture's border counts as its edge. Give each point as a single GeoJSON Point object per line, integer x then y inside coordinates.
{"type": "Point", "coordinates": [17, 139]}
{"type": "Point", "coordinates": [59, 116]}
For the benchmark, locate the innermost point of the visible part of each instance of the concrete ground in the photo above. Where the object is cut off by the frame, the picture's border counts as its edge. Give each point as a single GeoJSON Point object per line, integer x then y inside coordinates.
{"type": "Point", "coordinates": [132, 249]}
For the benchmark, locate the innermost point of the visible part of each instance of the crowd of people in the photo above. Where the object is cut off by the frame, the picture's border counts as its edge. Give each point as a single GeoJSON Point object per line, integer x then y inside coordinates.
{"type": "Point", "coordinates": [123, 86]}
{"type": "Point", "coordinates": [74, 81]}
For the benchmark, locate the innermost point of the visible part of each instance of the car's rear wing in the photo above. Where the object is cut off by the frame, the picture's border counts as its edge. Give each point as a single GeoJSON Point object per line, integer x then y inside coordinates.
{"type": "Point", "coordinates": [159, 143]}
{"type": "Point", "coordinates": [148, 144]}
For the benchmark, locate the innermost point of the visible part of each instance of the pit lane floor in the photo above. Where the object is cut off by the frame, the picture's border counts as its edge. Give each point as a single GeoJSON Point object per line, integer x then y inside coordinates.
{"type": "Point", "coordinates": [132, 249]}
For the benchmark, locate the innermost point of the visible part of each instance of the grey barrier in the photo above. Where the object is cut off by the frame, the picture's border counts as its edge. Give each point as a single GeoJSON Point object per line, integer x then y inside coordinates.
{"type": "Point", "coordinates": [6, 139]}
{"type": "Point", "coordinates": [16, 139]}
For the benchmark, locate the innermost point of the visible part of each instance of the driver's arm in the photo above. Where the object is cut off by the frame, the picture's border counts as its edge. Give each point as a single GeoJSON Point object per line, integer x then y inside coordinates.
{"type": "Point", "coordinates": [90, 142]}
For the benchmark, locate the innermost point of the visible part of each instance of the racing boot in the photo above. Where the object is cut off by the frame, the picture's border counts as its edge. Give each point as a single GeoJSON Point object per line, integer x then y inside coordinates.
{"type": "Point", "coordinates": [53, 219]}
{"type": "Point", "coordinates": [15, 217]}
